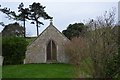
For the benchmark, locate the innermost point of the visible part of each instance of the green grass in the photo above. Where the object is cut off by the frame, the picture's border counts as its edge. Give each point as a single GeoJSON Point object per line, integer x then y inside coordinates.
{"type": "Point", "coordinates": [85, 68]}
{"type": "Point", "coordinates": [38, 71]}
{"type": "Point", "coordinates": [30, 39]}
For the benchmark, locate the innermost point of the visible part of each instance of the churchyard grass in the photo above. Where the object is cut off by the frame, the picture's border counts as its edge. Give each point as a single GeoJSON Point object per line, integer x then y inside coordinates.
{"type": "Point", "coordinates": [38, 71]}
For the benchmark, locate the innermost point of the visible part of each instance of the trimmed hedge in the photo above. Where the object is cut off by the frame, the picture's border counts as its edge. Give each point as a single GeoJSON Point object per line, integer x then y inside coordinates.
{"type": "Point", "coordinates": [13, 50]}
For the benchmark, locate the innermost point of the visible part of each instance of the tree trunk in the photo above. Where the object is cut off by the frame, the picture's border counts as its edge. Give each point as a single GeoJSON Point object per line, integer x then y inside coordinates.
{"type": "Point", "coordinates": [37, 28]}
{"type": "Point", "coordinates": [24, 28]}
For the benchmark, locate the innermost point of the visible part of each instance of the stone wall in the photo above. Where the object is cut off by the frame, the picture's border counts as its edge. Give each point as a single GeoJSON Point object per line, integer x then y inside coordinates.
{"type": "Point", "coordinates": [36, 52]}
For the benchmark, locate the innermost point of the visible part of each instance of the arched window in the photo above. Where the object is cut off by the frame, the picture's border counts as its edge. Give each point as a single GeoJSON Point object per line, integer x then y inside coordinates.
{"type": "Point", "coordinates": [51, 51]}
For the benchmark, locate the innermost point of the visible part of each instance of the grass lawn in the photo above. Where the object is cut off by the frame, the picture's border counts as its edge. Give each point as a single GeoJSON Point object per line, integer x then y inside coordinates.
{"type": "Point", "coordinates": [38, 71]}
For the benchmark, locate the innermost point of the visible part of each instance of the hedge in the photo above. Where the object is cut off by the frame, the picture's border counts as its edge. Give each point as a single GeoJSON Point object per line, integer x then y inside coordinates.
{"type": "Point", "coordinates": [13, 50]}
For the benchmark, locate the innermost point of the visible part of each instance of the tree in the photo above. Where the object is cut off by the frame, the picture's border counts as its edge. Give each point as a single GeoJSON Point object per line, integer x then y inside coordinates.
{"type": "Point", "coordinates": [13, 30]}
{"type": "Point", "coordinates": [34, 12]}
{"type": "Point", "coordinates": [102, 40]}
{"type": "Point", "coordinates": [117, 58]}
{"type": "Point", "coordinates": [24, 12]}
{"type": "Point", "coordinates": [99, 46]}
{"type": "Point", "coordinates": [75, 30]}
{"type": "Point", "coordinates": [77, 51]}
{"type": "Point", "coordinates": [2, 24]}
{"type": "Point", "coordinates": [12, 15]}
{"type": "Point", "coordinates": [37, 11]}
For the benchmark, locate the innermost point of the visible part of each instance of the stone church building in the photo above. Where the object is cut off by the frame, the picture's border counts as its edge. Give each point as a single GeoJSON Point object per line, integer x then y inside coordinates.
{"type": "Point", "coordinates": [47, 47]}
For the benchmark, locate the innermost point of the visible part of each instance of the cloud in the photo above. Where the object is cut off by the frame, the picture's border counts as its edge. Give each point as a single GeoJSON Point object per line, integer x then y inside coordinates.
{"type": "Point", "coordinates": [64, 12]}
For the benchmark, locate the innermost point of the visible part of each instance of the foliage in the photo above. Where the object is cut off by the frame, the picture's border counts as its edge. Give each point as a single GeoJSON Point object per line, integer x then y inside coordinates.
{"type": "Point", "coordinates": [10, 14]}
{"type": "Point", "coordinates": [77, 51]}
{"type": "Point", "coordinates": [116, 59]}
{"type": "Point", "coordinates": [37, 11]}
{"type": "Point", "coordinates": [13, 50]}
{"type": "Point", "coordinates": [2, 24]}
{"type": "Point", "coordinates": [103, 48]}
{"type": "Point", "coordinates": [99, 45]}
{"type": "Point", "coordinates": [24, 12]}
{"type": "Point", "coordinates": [13, 30]}
{"type": "Point", "coordinates": [33, 12]}
{"type": "Point", "coordinates": [102, 39]}
{"type": "Point", "coordinates": [23, 15]}
{"type": "Point", "coordinates": [30, 39]}
{"type": "Point", "coordinates": [75, 30]}
{"type": "Point", "coordinates": [38, 71]}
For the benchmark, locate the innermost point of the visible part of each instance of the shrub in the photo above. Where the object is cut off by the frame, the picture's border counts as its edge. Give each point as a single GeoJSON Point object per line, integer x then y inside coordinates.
{"type": "Point", "coordinates": [76, 50]}
{"type": "Point", "coordinates": [13, 50]}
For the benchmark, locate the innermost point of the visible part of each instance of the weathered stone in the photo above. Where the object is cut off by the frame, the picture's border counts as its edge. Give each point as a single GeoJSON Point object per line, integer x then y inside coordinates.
{"type": "Point", "coordinates": [37, 51]}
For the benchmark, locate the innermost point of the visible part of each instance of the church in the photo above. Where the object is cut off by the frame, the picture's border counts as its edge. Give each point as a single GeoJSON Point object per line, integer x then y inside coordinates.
{"type": "Point", "coordinates": [48, 47]}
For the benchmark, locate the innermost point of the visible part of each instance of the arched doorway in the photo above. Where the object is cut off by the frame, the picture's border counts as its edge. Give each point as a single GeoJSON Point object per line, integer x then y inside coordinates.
{"type": "Point", "coordinates": [51, 51]}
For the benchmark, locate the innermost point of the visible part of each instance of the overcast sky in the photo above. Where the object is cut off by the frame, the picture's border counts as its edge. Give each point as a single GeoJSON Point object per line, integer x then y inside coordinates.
{"type": "Point", "coordinates": [64, 12]}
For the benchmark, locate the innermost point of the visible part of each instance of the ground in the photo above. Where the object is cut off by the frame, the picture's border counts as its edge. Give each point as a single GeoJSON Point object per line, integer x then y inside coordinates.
{"type": "Point", "coordinates": [38, 71]}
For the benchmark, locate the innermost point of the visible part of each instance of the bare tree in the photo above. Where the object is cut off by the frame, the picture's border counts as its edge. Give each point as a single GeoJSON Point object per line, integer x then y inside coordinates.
{"type": "Point", "coordinates": [98, 47]}
{"type": "Point", "coordinates": [102, 43]}
{"type": "Point", "coordinates": [77, 50]}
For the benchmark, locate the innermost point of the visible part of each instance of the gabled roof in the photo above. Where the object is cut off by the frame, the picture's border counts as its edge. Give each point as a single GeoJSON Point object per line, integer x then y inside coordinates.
{"type": "Point", "coordinates": [51, 25]}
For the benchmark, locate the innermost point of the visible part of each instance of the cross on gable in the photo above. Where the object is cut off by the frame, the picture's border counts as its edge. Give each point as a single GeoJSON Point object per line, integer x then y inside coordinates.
{"type": "Point", "coordinates": [51, 20]}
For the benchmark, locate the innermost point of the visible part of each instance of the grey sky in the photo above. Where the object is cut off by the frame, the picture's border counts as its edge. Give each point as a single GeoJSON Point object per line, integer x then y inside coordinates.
{"type": "Point", "coordinates": [64, 12]}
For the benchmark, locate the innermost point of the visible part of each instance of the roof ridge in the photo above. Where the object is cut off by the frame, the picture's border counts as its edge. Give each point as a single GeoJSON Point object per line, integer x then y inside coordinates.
{"type": "Point", "coordinates": [50, 25]}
